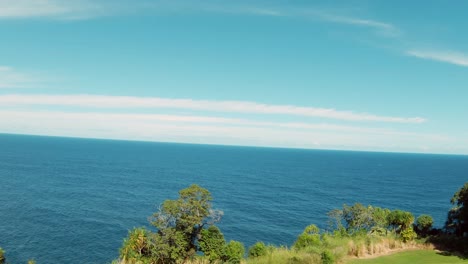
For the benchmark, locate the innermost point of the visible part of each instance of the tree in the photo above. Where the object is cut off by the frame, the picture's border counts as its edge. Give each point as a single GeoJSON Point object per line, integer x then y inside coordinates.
{"type": "Point", "coordinates": [400, 220]}
{"type": "Point", "coordinates": [424, 224]}
{"type": "Point", "coordinates": [137, 247]}
{"type": "Point", "coordinates": [180, 222]}
{"type": "Point", "coordinates": [358, 217]}
{"type": "Point", "coordinates": [212, 243]}
{"type": "Point", "coordinates": [457, 219]}
{"type": "Point", "coordinates": [180, 226]}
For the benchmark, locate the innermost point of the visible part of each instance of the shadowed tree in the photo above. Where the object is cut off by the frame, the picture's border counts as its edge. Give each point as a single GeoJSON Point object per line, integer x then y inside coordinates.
{"type": "Point", "coordinates": [457, 220]}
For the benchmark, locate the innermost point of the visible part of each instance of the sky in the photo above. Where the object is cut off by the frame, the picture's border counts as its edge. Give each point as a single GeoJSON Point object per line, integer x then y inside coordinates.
{"type": "Point", "coordinates": [351, 75]}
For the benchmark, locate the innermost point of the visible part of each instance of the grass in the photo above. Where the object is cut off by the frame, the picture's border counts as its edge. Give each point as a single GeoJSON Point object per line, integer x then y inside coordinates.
{"type": "Point", "coordinates": [413, 257]}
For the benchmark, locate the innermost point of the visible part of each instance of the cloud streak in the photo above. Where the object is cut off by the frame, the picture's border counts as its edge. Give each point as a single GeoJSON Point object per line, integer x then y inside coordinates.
{"type": "Point", "coordinates": [11, 78]}
{"type": "Point", "coordinates": [202, 129]}
{"type": "Point", "coordinates": [243, 107]}
{"type": "Point", "coordinates": [386, 29]}
{"type": "Point", "coordinates": [62, 9]}
{"type": "Point", "coordinates": [455, 58]}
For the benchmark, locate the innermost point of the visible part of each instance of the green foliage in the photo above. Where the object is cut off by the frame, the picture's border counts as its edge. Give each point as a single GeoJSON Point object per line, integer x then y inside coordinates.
{"type": "Point", "coordinates": [181, 221]}
{"type": "Point", "coordinates": [380, 217]}
{"type": "Point", "coordinates": [212, 243]}
{"type": "Point", "coordinates": [327, 257]}
{"type": "Point", "coordinates": [2, 256]}
{"type": "Point", "coordinates": [137, 247]}
{"type": "Point", "coordinates": [258, 249]}
{"type": "Point", "coordinates": [233, 252]}
{"type": "Point", "coordinates": [400, 220]}
{"type": "Point", "coordinates": [359, 218]}
{"type": "Point", "coordinates": [408, 234]}
{"type": "Point", "coordinates": [31, 261]}
{"type": "Point", "coordinates": [310, 237]}
{"type": "Point", "coordinates": [180, 231]}
{"type": "Point", "coordinates": [457, 220]}
{"type": "Point", "coordinates": [424, 224]}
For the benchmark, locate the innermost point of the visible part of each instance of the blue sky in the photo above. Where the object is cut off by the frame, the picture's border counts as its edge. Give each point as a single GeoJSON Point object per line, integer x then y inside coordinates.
{"type": "Point", "coordinates": [354, 75]}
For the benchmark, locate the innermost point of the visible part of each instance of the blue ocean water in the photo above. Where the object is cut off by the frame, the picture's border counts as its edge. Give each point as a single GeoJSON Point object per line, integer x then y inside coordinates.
{"type": "Point", "coordinates": [65, 200]}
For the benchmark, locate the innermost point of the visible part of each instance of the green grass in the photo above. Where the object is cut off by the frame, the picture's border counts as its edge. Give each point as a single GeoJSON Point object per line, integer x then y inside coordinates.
{"type": "Point", "coordinates": [412, 257]}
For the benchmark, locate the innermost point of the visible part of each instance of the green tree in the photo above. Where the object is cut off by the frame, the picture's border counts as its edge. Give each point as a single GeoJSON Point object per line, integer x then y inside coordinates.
{"type": "Point", "coordinates": [180, 222]}
{"type": "Point", "coordinates": [424, 224]}
{"type": "Point", "coordinates": [137, 247]}
{"type": "Point", "coordinates": [212, 243]}
{"type": "Point", "coordinates": [358, 218]}
{"type": "Point", "coordinates": [457, 220]}
{"type": "Point", "coordinates": [400, 220]}
{"type": "Point", "coordinates": [180, 226]}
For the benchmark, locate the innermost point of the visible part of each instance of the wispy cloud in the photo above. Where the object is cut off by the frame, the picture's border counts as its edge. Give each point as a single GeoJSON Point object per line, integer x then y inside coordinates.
{"type": "Point", "coordinates": [382, 27]}
{"type": "Point", "coordinates": [11, 78]}
{"type": "Point", "coordinates": [247, 107]}
{"type": "Point", "coordinates": [202, 129]}
{"type": "Point", "coordinates": [69, 9]}
{"type": "Point", "coordinates": [456, 58]}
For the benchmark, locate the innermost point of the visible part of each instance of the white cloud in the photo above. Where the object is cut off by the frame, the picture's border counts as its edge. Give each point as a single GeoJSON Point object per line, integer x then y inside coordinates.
{"type": "Point", "coordinates": [200, 129]}
{"type": "Point", "coordinates": [11, 78]}
{"type": "Point", "coordinates": [70, 9]}
{"type": "Point", "coordinates": [451, 57]}
{"type": "Point", "coordinates": [383, 28]}
{"type": "Point", "coordinates": [246, 107]}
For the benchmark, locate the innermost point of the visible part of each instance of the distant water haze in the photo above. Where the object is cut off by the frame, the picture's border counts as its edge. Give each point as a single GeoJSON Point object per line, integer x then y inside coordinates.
{"type": "Point", "coordinates": [65, 200]}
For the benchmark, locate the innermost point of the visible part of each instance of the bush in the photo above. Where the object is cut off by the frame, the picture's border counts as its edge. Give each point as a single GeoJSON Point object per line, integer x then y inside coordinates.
{"type": "Point", "coordinates": [408, 234]}
{"type": "Point", "coordinates": [258, 249]}
{"type": "Point", "coordinates": [400, 220]}
{"type": "Point", "coordinates": [136, 248]}
{"type": "Point", "coordinates": [212, 243]}
{"type": "Point", "coordinates": [310, 237]}
{"type": "Point", "coordinates": [327, 257]}
{"type": "Point", "coordinates": [2, 256]}
{"type": "Point", "coordinates": [233, 252]}
{"type": "Point", "coordinates": [424, 224]}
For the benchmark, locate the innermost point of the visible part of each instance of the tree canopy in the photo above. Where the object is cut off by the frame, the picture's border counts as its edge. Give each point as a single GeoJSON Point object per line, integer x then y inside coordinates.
{"type": "Point", "coordinates": [184, 227]}
{"type": "Point", "coordinates": [457, 220]}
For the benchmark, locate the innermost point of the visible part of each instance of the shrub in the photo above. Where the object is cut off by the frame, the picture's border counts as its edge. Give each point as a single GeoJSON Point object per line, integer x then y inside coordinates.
{"type": "Point", "coordinates": [212, 243]}
{"type": "Point", "coordinates": [31, 261]}
{"type": "Point", "coordinates": [408, 234]}
{"type": "Point", "coordinates": [310, 237]}
{"type": "Point", "coordinates": [136, 247]}
{"type": "Point", "coordinates": [258, 249]}
{"type": "Point", "coordinates": [424, 224]}
{"type": "Point", "coordinates": [233, 252]}
{"type": "Point", "coordinates": [2, 256]}
{"type": "Point", "coordinates": [327, 257]}
{"type": "Point", "coordinates": [400, 220]}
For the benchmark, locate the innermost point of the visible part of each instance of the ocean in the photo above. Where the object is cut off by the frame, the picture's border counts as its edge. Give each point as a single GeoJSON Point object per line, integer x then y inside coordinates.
{"type": "Point", "coordinates": [67, 200]}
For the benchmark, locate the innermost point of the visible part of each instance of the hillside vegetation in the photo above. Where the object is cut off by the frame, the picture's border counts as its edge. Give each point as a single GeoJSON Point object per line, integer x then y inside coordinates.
{"type": "Point", "coordinates": [184, 231]}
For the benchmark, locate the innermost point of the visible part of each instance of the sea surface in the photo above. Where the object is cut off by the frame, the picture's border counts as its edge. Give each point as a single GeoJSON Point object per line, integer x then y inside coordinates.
{"type": "Point", "coordinates": [66, 200]}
